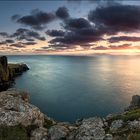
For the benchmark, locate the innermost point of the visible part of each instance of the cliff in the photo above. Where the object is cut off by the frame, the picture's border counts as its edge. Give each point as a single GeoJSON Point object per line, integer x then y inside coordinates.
{"type": "Point", "coordinates": [20, 120]}
{"type": "Point", "coordinates": [9, 71]}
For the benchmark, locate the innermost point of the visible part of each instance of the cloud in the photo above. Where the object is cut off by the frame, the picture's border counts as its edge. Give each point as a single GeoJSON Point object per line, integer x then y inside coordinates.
{"type": "Point", "coordinates": [2, 43]}
{"type": "Point", "coordinates": [7, 42]}
{"type": "Point", "coordinates": [108, 18]}
{"type": "Point", "coordinates": [78, 31]}
{"type": "Point", "coordinates": [123, 38]}
{"type": "Point", "coordinates": [55, 33]}
{"type": "Point", "coordinates": [114, 47]}
{"type": "Point", "coordinates": [46, 47]}
{"type": "Point", "coordinates": [28, 35]}
{"type": "Point", "coordinates": [99, 2]}
{"type": "Point", "coordinates": [4, 34]}
{"type": "Point", "coordinates": [36, 19]}
{"type": "Point", "coordinates": [104, 20]}
{"type": "Point", "coordinates": [74, 38]}
{"type": "Point", "coordinates": [29, 43]}
{"type": "Point", "coordinates": [118, 18]}
{"type": "Point", "coordinates": [120, 47]}
{"type": "Point", "coordinates": [15, 17]}
{"type": "Point", "coordinates": [100, 48]}
{"type": "Point", "coordinates": [76, 23]}
{"type": "Point", "coordinates": [18, 45]}
{"type": "Point", "coordinates": [62, 13]}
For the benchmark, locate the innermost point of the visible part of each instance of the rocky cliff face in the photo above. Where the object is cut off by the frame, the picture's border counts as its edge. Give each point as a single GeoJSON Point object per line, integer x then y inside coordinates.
{"type": "Point", "coordinates": [20, 120]}
{"type": "Point", "coordinates": [9, 71]}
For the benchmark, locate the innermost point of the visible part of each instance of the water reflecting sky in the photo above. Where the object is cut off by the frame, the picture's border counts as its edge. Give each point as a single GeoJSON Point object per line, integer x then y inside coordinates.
{"type": "Point", "coordinates": [69, 87]}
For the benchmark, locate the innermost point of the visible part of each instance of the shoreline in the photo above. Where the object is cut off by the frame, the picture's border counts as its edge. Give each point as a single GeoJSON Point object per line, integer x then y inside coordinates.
{"type": "Point", "coordinates": [20, 120]}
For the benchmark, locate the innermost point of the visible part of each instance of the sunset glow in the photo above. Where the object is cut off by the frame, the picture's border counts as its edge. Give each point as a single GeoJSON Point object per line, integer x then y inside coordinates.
{"type": "Point", "coordinates": [48, 27]}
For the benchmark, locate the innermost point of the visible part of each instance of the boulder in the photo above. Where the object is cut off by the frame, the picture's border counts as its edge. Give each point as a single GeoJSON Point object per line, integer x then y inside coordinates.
{"type": "Point", "coordinates": [134, 124]}
{"type": "Point", "coordinates": [39, 134]}
{"type": "Point", "coordinates": [14, 110]}
{"type": "Point", "coordinates": [115, 125]}
{"type": "Point", "coordinates": [91, 129]}
{"type": "Point", "coordinates": [58, 132]}
{"type": "Point", "coordinates": [108, 137]}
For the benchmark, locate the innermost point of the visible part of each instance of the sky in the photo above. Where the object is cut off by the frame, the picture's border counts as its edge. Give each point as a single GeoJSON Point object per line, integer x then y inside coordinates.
{"type": "Point", "coordinates": [82, 27]}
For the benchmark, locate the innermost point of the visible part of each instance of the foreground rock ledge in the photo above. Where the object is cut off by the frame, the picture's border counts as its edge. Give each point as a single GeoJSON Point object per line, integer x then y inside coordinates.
{"type": "Point", "coordinates": [20, 120]}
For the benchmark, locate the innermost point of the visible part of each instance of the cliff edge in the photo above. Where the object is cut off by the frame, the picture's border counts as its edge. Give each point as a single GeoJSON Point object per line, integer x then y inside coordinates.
{"type": "Point", "coordinates": [9, 71]}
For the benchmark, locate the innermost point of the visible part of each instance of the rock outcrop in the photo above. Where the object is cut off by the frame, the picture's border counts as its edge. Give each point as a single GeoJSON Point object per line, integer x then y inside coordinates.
{"type": "Point", "coordinates": [20, 120]}
{"type": "Point", "coordinates": [91, 128]}
{"type": "Point", "coordinates": [135, 103]}
{"type": "Point", "coordinates": [9, 71]}
{"type": "Point", "coordinates": [15, 109]}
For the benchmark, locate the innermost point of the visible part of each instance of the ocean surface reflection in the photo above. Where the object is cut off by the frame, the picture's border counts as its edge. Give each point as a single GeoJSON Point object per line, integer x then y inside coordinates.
{"type": "Point", "coordinates": [70, 87]}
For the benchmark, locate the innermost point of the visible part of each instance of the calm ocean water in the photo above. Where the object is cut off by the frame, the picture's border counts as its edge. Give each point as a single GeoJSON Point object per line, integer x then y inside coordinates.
{"type": "Point", "coordinates": [69, 87]}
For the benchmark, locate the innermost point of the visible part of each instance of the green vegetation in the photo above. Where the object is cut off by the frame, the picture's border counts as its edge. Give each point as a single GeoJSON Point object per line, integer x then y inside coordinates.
{"type": "Point", "coordinates": [129, 116]}
{"type": "Point", "coordinates": [131, 136]}
{"type": "Point", "coordinates": [125, 133]}
{"type": "Point", "coordinates": [18, 132]}
{"type": "Point", "coordinates": [48, 123]}
{"type": "Point", "coordinates": [13, 133]}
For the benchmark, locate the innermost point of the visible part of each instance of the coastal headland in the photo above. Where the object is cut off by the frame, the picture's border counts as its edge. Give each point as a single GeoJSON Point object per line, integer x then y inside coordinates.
{"type": "Point", "coordinates": [9, 71]}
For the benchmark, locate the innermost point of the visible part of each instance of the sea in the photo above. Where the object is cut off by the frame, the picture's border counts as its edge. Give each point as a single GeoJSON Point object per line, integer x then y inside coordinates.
{"type": "Point", "coordinates": [67, 88]}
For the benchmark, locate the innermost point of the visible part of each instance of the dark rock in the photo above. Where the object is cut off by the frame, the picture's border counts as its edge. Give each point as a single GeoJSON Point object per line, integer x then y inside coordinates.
{"type": "Point", "coordinates": [135, 103]}
{"type": "Point", "coordinates": [4, 73]}
{"type": "Point", "coordinates": [9, 71]}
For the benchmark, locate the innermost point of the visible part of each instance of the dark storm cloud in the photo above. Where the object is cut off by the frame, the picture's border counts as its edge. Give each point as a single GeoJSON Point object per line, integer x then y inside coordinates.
{"type": "Point", "coordinates": [18, 45]}
{"type": "Point", "coordinates": [28, 35]}
{"type": "Point", "coordinates": [62, 13]}
{"type": "Point", "coordinates": [29, 39]}
{"type": "Point", "coordinates": [75, 39]}
{"type": "Point", "coordinates": [104, 20]}
{"type": "Point", "coordinates": [55, 33]}
{"type": "Point", "coordinates": [36, 20]}
{"type": "Point", "coordinates": [78, 31]}
{"type": "Point", "coordinates": [7, 42]}
{"type": "Point", "coordinates": [76, 23]}
{"type": "Point", "coordinates": [29, 43]}
{"type": "Point", "coordinates": [46, 47]}
{"type": "Point", "coordinates": [121, 18]}
{"type": "Point", "coordinates": [123, 38]}
{"type": "Point", "coordinates": [4, 34]}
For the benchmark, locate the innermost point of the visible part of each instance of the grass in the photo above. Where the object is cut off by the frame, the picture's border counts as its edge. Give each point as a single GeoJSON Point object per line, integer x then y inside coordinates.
{"type": "Point", "coordinates": [18, 132]}
{"type": "Point", "coordinates": [13, 133]}
{"type": "Point", "coordinates": [129, 116]}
